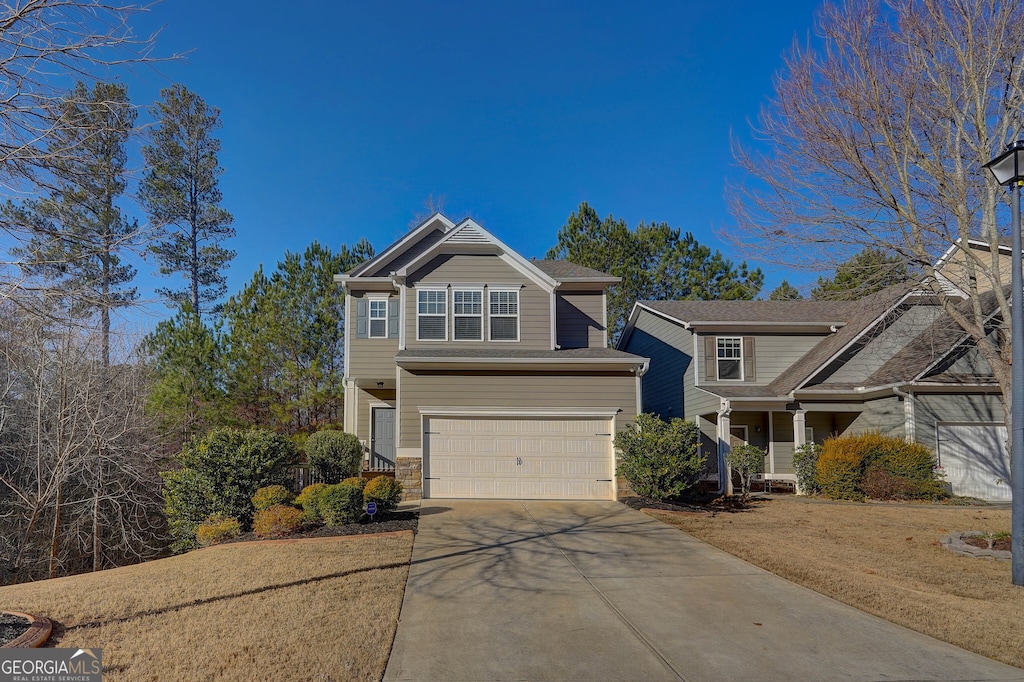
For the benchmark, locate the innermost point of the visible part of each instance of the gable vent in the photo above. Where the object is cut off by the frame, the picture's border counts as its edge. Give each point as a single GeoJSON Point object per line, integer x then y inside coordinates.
{"type": "Point", "coordinates": [469, 234]}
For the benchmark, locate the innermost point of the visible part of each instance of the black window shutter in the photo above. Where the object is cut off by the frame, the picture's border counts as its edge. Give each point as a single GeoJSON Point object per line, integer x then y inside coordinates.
{"type": "Point", "coordinates": [710, 358]}
{"type": "Point", "coordinates": [749, 368]}
{"type": "Point", "coordinates": [362, 314]}
{"type": "Point", "coordinates": [393, 313]}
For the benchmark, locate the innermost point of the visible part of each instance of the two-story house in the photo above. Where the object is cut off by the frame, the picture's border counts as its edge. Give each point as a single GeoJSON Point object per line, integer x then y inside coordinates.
{"type": "Point", "coordinates": [474, 372]}
{"type": "Point", "coordinates": [778, 374]}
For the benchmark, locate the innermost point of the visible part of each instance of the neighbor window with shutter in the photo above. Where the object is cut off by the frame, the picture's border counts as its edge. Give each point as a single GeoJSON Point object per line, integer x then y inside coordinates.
{"type": "Point", "coordinates": [432, 315]}
{"type": "Point", "coordinates": [730, 358]}
{"type": "Point", "coordinates": [468, 312]}
{"type": "Point", "coordinates": [378, 318]}
{"type": "Point", "coordinates": [503, 313]}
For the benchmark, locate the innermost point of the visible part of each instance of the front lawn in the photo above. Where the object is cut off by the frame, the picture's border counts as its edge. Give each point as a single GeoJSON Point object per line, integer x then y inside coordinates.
{"type": "Point", "coordinates": [318, 609]}
{"type": "Point", "coordinates": [883, 559]}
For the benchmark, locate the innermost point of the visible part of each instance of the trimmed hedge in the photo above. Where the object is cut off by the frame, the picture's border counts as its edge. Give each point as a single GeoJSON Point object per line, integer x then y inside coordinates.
{"type": "Point", "coordinates": [660, 459]}
{"type": "Point", "coordinates": [311, 499]}
{"type": "Point", "coordinates": [341, 503]}
{"type": "Point", "coordinates": [270, 495]}
{"type": "Point", "coordinates": [334, 455]}
{"type": "Point", "coordinates": [879, 467]}
{"type": "Point", "coordinates": [385, 491]}
{"type": "Point", "coordinates": [277, 520]}
{"type": "Point", "coordinates": [217, 528]}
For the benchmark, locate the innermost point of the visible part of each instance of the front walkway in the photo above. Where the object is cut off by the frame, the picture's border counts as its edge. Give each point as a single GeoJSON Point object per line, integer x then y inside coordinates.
{"type": "Point", "coordinates": [596, 591]}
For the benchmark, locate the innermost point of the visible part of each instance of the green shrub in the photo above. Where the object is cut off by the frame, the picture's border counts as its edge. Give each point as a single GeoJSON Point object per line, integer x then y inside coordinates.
{"type": "Point", "coordinates": [747, 461]}
{"type": "Point", "coordinates": [220, 473]}
{"type": "Point", "coordinates": [385, 491]}
{"type": "Point", "coordinates": [341, 503]}
{"type": "Point", "coordinates": [270, 495]}
{"type": "Point", "coordinates": [334, 455]}
{"type": "Point", "coordinates": [805, 464]}
{"type": "Point", "coordinates": [217, 528]}
{"type": "Point", "coordinates": [188, 501]}
{"type": "Point", "coordinates": [660, 459]}
{"type": "Point", "coordinates": [356, 480]}
{"type": "Point", "coordinates": [277, 520]}
{"type": "Point", "coordinates": [310, 500]}
{"type": "Point", "coordinates": [840, 467]}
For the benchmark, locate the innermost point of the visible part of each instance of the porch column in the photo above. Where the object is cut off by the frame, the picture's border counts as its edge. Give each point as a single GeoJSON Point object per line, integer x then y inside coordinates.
{"type": "Point", "coordinates": [724, 445]}
{"type": "Point", "coordinates": [799, 436]}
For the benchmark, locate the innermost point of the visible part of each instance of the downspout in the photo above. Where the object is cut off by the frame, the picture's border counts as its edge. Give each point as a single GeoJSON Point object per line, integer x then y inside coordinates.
{"type": "Point", "coordinates": [724, 479]}
{"type": "Point", "coordinates": [908, 413]}
{"type": "Point", "coordinates": [640, 371]}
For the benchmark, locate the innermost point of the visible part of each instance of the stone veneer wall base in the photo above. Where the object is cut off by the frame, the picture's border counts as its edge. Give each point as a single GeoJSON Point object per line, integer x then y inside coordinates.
{"type": "Point", "coordinates": [409, 472]}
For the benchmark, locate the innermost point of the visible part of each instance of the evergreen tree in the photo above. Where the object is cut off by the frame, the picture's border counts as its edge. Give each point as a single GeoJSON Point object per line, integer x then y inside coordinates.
{"type": "Point", "coordinates": [78, 232]}
{"type": "Point", "coordinates": [182, 196]}
{"type": "Point", "coordinates": [785, 292]}
{"type": "Point", "coordinates": [865, 273]}
{"type": "Point", "coordinates": [655, 261]}
{"type": "Point", "coordinates": [186, 361]}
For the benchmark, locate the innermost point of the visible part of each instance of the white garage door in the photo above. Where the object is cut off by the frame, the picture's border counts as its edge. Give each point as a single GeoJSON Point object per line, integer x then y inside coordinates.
{"type": "Point", "coordinates": [518, 458]}
{"type": "Point", "coordinates": [974, 460]}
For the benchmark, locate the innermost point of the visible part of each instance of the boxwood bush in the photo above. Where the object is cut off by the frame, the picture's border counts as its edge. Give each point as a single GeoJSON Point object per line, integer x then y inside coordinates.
{"type": "Point", "coordinates": [277, 520]}
{"type": "Point", "coordinates": [341, 503]}
{"type": "Point", "coordinates": [334, 455]}
{"type": "Point", "coordinates": [310, 499]}
{"type": "Point", "coordinates": [385, 491]}
{"type": "Point", "coordinates": [270, 495]}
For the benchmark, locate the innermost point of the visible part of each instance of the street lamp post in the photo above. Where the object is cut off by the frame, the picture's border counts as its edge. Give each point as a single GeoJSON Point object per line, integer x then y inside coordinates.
{"type": "Point", "coordinates": [1008, 170]}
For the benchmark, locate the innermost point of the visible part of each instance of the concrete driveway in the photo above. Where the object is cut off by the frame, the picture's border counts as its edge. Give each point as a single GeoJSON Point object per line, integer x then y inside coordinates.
{"type": "Point", "coordinates": [596, 591]}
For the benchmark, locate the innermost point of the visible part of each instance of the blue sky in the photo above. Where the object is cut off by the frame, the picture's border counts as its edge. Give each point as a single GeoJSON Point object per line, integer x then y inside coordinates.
{"type": "Point", "coordinates": [341, 118]}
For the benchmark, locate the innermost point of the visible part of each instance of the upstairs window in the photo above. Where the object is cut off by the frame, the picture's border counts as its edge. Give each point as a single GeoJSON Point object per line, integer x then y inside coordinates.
{"type": "Point", "coordinates": [468, 311]}
{"type": "Point", "coordinates": [378, 319]}
{"type": "Point", "coordinates": [432, 315]}
{"type": "Point", "coordinates": [504, 315]}
{"type": "Point", "coordinates": [730, 359]}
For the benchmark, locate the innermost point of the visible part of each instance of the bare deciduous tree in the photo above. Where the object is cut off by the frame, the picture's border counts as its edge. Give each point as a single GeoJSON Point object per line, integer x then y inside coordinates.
{"type": "Point", "coordinates": [876, 138]}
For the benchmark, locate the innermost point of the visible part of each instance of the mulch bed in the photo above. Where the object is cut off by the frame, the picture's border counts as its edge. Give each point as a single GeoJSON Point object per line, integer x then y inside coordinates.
{"type": "Point", "coordinates": [984, 542]}
{"type": "Point", "coordinates": [12, 627]}
{"type": "Point", "coordinates": [382, 523]}
{"type": "Point", "coordinates": [707, 504]}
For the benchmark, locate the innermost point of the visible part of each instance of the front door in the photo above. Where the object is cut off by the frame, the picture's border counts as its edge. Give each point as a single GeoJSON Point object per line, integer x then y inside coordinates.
{"type": "Point", "coordinates": [382, 441]}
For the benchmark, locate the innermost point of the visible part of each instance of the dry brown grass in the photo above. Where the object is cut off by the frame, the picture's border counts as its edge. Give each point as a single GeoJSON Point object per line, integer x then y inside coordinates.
{"type": "Point", "coordinates": [322, 609]}
{"type": "Point", "coordinates": [883, 559]}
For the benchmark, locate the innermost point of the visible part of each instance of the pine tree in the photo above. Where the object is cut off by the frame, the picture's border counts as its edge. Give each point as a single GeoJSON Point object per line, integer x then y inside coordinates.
{"type": "Point", "coordinates": [785, 292]}
{"type": "Point", "coordinates": [654, 261]}
{"type": "Point", "coordinates": [79, 233]}
{"type": "Point", "coordinates": [182, 196]}
{"type": "Point", "coordinates": [865, 273]}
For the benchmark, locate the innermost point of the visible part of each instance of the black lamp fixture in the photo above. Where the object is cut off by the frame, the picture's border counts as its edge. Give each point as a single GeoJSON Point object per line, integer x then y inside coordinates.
{"type": "Point", "coordinates": [1008, 167]}
{"type": "Point", "coordinates": [1008, 170]}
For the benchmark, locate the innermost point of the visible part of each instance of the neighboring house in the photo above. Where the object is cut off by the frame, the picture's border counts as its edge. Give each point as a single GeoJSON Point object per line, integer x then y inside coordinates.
{"type": "Point", "coordinates": [473, 372]}
{"type": "Point", "coordinates": [777, 374]}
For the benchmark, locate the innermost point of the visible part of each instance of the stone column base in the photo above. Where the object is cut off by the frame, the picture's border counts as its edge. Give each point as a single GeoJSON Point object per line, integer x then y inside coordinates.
{"type": "Point", "coordinates": [409, 472]}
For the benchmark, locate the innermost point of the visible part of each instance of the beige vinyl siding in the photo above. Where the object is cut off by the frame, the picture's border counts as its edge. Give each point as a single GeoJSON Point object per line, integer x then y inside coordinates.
{"type": "Point", "coordinates": [782, 445]}
{"type": "Point", "coordinates": [580, 319]}
{"type": "Point", "coordinates": [956, 271]}
{"type": "Point", "coordinates": [773, 353]}
{"type": "Point", "coordinates": [363, 413]}
{"type": "Point", "coordinates": [615, 390]}
{"type": "Point", "coordinates": [970, 408]}
{"type": "Point", "coordinates": [699, 402]}
{"type": "Point", "coordinates": [670, 348]}
{"type": "Point", "coordinates": [534, 302]}
{"type": "Point", "coordinates": [369, 358]}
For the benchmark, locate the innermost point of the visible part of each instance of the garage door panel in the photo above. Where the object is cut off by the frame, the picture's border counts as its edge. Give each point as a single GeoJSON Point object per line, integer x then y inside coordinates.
{"type": "Point", "coordinates": [974, 460]}
{"type": "Point", "coordinates": [536, 458]}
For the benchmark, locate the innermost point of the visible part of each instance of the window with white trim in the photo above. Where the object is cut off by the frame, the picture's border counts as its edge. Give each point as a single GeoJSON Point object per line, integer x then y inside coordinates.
{"type": "Point", "coordinates": [432, 315]}
{"type": "Point", "coordinates": [730, 358]}
{"type": "Point", "coordinates": [378, 328]}
{"type": "Point", "coordinates": [503, 313]}
{"type": "Point", "coordinates": [468, 314]}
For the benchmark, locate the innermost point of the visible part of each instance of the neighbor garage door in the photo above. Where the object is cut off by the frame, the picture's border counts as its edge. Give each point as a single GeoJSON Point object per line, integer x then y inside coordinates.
{"type": "Point", "coordinates": [517, 458]}
{"type": "Point", "coordinates": [974, 460]}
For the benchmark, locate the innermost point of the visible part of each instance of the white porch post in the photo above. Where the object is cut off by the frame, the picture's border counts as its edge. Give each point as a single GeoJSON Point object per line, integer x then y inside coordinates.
{"type": "Point", "coordinates": [799, 436]}
{"type": "Point", "coordinates": [724, 445]}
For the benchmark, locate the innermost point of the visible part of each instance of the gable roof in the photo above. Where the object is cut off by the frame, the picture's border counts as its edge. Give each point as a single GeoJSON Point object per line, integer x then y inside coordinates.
{"type": "Point", "coordinates": [862, 315]}
{"type": "Point", "coordinates": [437, 234]}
